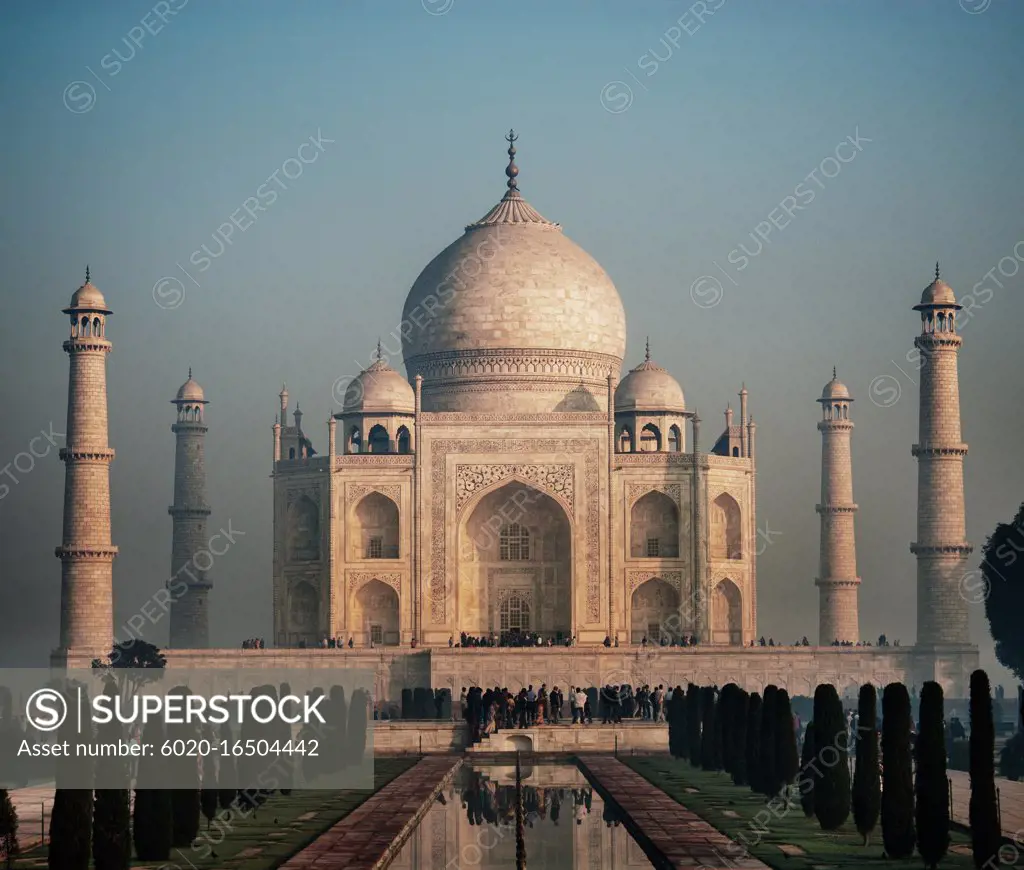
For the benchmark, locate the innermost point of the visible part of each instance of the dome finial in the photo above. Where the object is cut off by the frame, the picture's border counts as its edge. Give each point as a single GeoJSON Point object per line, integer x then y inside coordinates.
{"type": "Point", "coordinates": [190, 372]}
{"type": "Point", "coordinates": [647, 352]}
{"type": "Point", "coordinates": [511, 170]}
{"type": "Point", "coordinates": [87, 274]}
{"type": "Point", "coordinates": [380, 353]}
{"type": "Point", "coordinates": [833, 372]}
{"type": "Point", "coordinates": [936, 270]}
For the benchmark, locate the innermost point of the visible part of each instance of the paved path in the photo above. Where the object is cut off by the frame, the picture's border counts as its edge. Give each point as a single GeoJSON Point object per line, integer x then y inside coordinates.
{"type": "Point", "coordinates": [1011, 802]}
{"type": "Point", "coordinates": [372, 834]}
{"type": "Point", "coordinates": [656, 821]}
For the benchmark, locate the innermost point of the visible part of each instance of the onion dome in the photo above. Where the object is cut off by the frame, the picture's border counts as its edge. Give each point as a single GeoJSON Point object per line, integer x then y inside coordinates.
{"type": "Point", "coordinates": [835, 389]}
{"type": "Point", "coordinates": [87, 298]}
{"type": "Point", "coordinates": [938, 294]}
{"type": "Point", "coordinates": [379, 388]}
{"type": "Point", "coordinates": [190, 391]}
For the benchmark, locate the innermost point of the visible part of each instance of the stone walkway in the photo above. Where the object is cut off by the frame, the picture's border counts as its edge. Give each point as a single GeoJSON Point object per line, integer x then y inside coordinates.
{"type": "Point", "coordinates": [657, 821]}
{"type": "Point", "coordinates": [1011, 802]}
{"type": "Point", "coordinates": [372, 834]}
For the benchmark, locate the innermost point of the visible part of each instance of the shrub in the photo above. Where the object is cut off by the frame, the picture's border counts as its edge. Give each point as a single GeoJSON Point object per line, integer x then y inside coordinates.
{"type": "Point", "coordinates": [8, 828]}
{"type": "Point", "coordinates": [786, 761]}
{"type": "Point", "coordinates": [768, 784]}
{"type": "Point", "coordinates": [867, 785]}
{"type": "Point", "coordinates": [1011, 759]}
{"type": "Point", "coordinates": [808, 772]}
{"type": "Point", "coordinates": [897, 779]}
{"type": "Point", "coordinates": [152, 824]}
{"type": "Point", "coordinates": [738, 736]}
{"type": "Point", "coordinates": [985, 831]}
{"type": "Point", "coordinates": [707, 730]}
{"type": "Point", "coordinates": [832, 787]}
{"type": "Point", "coordinates": [754, 742]}
{"type": "Point", "coordinates": [930, 784]}
{"type": "Point", "coordinates": [693, 722]}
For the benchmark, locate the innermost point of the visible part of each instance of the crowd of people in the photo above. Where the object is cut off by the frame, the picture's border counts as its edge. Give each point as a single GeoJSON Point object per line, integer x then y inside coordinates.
{"type": "Point", "coordinates": [253, 643]}
{"type": "Point", "coordinates": [882, 641]}
{"type": "Point", "coordinates": [511, 639]}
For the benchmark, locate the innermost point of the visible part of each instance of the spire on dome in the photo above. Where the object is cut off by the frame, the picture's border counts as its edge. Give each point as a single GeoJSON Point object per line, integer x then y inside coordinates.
{"type": "Point", "coordinates": [936, 270]}
{"type": "Point", "coordinates": [833, 372]}
{"type": "Point", "coordinates": [380, 353]}
{"type": "Point", "coordinates": [190, 372]}
{"type": "Point", "coordinates": [647, 352]}
{"type": "Point", "coordinates": [87, 273]}
{"type": "Point", "coordinates": [511, 170]}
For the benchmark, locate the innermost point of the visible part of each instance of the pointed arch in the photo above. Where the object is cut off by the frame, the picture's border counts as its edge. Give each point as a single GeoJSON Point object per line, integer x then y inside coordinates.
{"type": "Point", "coordinates": [354, 441]}
{"type": "Point", "coordinates": [375, 529]}
{"type": "Point", "coordinates": [303, 525]}
{"type": "Point", "coordinates": [675, 439]}
{"type": "Point", "coordinates": [626, 440]}
{"type": "Point", "coordinates": [378, 440]}
{"type": "Point", "coordinates": [404, 440]}
{"type": "Point", "coordinates": [654, 527]}
{"type": "Point", "coordinates": [650, 439]}
{"type": "Point", "coordinates": [726, 528]}
{"type": "Point", "coordinates": [727, 614]}
{"type": "Point", "coordinates": [654, 610]}
{"type": "Point", "coordinates": [375, 613]}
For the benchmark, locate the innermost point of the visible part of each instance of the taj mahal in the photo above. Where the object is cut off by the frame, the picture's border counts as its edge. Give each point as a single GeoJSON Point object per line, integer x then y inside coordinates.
{"type": "Point", "coordinates": [523, 476]}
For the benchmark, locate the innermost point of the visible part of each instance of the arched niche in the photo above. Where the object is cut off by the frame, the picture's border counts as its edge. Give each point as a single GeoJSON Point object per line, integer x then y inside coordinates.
{"type": "Point", "coordinates": [727, 614]}
{"type": "Point", "coordinates": [726, 529]}
{"type": "Point", "coordinates": [654, 610]}
{"type": "Point", "coordinates": [374, 529]}
{"type": "Point", "coordinates": [303, 530]}
{"type": "Point", "coordinates": [654, 527]}
{"type": "Point", "coordinates": [375, 613]}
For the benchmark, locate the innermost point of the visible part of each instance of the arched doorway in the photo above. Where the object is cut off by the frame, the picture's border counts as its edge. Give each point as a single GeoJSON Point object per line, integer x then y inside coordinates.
{"type": "Point", "coordinates": [303, 615]}
{"type": "Point", "coordinates": [654, 527]}
{"type": "Point", "coordinates": [650, 439]}
{"type": "Point", "coordinates": [374, 615]}
{"type": "Point", "coordinates": [727, 614]}
{"type": "Point", "coordinates": [654, 609]}
{"type": "Point", "coordinates": [303, 530]}
{"type": "Point", "coordinates": [375, 529]}
{"type": "Point", "coordinates": [379, 440]}
{"type": "Point", "coordinates": [515, 558]}
{"type": "Point", "coordinates": [726, 535]}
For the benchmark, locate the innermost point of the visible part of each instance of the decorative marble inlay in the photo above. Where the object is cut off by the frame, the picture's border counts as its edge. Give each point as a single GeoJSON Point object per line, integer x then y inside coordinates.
{"type": "Point", "coordinates": [355, 491]}
{"type": "Point", "coordinates": [635, 491]}
{"type": "Point", "coordinates": [358, 579]}
{"type": "Point", "coordinates": [636, 579]}
{"type": "Point", "coordinates": [556, 480]}
{"type": "Point", "coordinates": [585, 447]}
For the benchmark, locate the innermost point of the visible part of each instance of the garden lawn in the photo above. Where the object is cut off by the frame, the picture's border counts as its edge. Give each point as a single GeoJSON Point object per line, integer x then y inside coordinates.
{"type": "Point", "coordinates": [833, 850]}
{"type": "Point", "coordinates": [280, 828]}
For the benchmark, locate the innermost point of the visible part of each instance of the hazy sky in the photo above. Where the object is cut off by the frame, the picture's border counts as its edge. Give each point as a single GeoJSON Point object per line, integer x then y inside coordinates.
{"type": "Point", "coordinates": [131, 161]}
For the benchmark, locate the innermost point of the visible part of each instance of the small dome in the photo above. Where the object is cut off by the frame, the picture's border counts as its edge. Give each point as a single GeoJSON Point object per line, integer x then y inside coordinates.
{"type": "Point", "coordinates": [649, 387]}
{"type": "Point", "coordinates": [835, 389]}
{"type": "Point", "coordinates": [380, 388]}
{"type": "Point", "coordinates": [87, 298]}
{"type": "Point", "coordinates": [190, 391]}
{"type": "Point", "coordinates": [938, 293]}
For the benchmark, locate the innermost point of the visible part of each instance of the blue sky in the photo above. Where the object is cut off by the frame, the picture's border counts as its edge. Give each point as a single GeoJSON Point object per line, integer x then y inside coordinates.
{"type": "Point", "coordinates": [740, 110]}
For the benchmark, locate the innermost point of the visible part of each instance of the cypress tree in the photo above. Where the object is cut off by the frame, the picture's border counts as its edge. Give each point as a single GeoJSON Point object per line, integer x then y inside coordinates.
{"type": "Point", "coordinates": [707, 731]}
{"type": "Point", "coordinates": [897, 777]}
{"type": "Point", "coordinates": [985, 832]}
{"type": "Point", "coordinates": [754, 742]}
{"type": "Point", "coordinates": [768, 784]}
{"type": "Point", "coordinates": [152, 824]}
{"type": "Point", "coordinates": [693, 722]}
{"type": "Point", "coordinates": [356, 730]}
{"type": "Point", "coordinates": [718, 742]}
{"type": "Point", "coordinates": [71, 818]}
{"type": "Point", "coordinates": [867, 784]}
{"type": "Point", "coordinates": [808, 772]}
{"type": "Point", "coordinates": [111, 817]}
{"type": "Point", "coordinates": [786, 761]}
{"type": "Point", "coordinates": [932, 804]}
{"type": "Point", "coordinates": [738, 735]}
{"type": "Point", "coordinates": [226, 773]}
{"type": "Point", "coordinates": [676, 715]}
{"type": "Point", "coordinates": [8, 828]}
{"type": "Point", "coordinates": [832, 787]}
{"type": "Point", "coordinates": [725, 715]}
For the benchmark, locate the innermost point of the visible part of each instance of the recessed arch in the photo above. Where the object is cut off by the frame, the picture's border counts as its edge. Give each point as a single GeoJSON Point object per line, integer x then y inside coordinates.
{"type": "Point", "coordinates": [375, 527]}
{"type": "Point", "coordinates": [675, 439]}
{"type": "Point", "coordinates": [378, 440]}
{"type": "Point", "coordinates": [404, 440]}
{"type": "Point", "coordinates": [354, 441]}
{"type": "Point", "coordinates": [650, 439]}
{"type": "Point", "coordinates": [654, 527]}
{"type": "Point", "coordinates": [303, 613]}
{"type": "Point", "coordinates": [626, 440]}
{"type": "Point", "coordinates": [303, 524]}
{"type": "Point", "coordinates": [654, 610]}
{"type": "Point", "coordinates": [375, 613]}
{"type": "Point", "coordinates": [726, 529]}
{"type": "Point", "coordinates": [727, 614]}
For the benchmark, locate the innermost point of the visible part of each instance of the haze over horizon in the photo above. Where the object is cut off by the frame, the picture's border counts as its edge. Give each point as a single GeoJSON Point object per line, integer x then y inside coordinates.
{"type": "Point", "coordinates": [667, 151]}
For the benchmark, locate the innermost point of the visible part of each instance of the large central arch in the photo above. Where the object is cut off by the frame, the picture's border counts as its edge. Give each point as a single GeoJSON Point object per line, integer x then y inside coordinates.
{"type": "Point", "coordinates": [515, 557]}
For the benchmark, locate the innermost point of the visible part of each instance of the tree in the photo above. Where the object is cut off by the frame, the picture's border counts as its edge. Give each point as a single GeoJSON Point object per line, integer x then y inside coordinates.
{"type": "Point", "coordinates": [71, 818]}
{"type": "Point", "coordinates": [808, 772]}
{"type": "Point", "coordinates": [832, 787]}
{"type": "Point", "coordinates": [227, 776]}
{"type": "Point", "coordinates": [209, 796]}
{"type": "Point", "coordinates": [675, 713]}
{"type": "Point", "coordinates": [707, 730]}
{"type": "Point", "coordinates": [768, 784]}
{"type": "Point", "coordinates": [8, 828]}
{"type": "Point", "coordinates": [986, 835]}
{"type": "Point", "coordinates": [1003, 578]}
{"type": "Point", "coordinates": [111, 817]}
{"type": "Point", "coordinates": [930, 784]}
{"type": "Point", "coordinates": [132, 665]}
{"type": "Point", "coordinates": [727, 701]}
{"type": "Point", "coordinates": [754, 742]}
{"type": "Point", "coordinates": [867, 785]}
{"type": "Point", "coordinates": [153, 822]}
{"type": "Point", "coordinates": [693, 722]}
{"type": "Point", "coordinates": [356, 731]}
{"type": "Point", "coordinates": [738, 736]}
{"type": "Point", "coordinates": [718, 739]}
{"type": "Point", "coordinates": [897, 779]}
{"type": "Point", "coordinates": [786, 761]}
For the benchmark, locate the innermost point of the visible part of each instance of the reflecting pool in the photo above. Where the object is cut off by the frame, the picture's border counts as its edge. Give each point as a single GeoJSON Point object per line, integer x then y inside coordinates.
{"type": "Point", "coordinates": [565, 824]}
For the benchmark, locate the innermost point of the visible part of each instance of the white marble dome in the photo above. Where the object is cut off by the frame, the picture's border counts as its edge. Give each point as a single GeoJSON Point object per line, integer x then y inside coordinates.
{"type": "Point", "coordinates": [379, 388]}
{"type": "Point", "coordinates": [513, 307]}
{"type": "Point", "coordinates": [190, 391]}
{"type": "Point", "coordinates": [88, 298]}
{"type": "Point", "coordinates": [649, 387]}
{"type": "Point", "coordinates": [835, 389]}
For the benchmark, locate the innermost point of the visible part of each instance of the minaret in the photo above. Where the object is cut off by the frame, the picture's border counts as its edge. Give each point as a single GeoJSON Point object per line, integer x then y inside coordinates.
{"type": "Point", "coordinates": [941, 547]}
{"type": "Point", "coordinates": [837, 580]}
{"type": "Point", "coordinates": [190, 547]}
{"type": "Point", "coordinates": [86, 554]}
